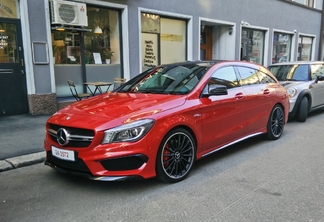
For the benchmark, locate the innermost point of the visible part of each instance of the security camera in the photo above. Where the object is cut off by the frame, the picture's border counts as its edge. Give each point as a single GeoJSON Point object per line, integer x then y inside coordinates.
{"type": "Point", "coordinates": [243, 23]}
{"type": "Point", "coordinates": [295, 31]}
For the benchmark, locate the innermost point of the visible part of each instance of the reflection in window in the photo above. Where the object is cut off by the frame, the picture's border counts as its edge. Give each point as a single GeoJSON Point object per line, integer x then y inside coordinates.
{"type": "Point", "coordinates": [252, 45]}
{"type": "Point", "coordinates": [309, 3]}
{"type": "Point", "coordinates": [304, 48]}
{"type": "Point", "coordinates": [317, 70]}
{"type": "Point", "coordinates": [248, 75]}
{"type": "Point", "coordinates": [8, 43]}
{"type": "Point", "coordinates": [163, 40]}
{"type": "Point", "coordinates": [105, 42]}
{"type": "Point", "coordinates": [9, 9]}
{"type": "Point", "coordinates": [281, 47]}
{"type": "Point", "coordinates": [290, 72]}
{"type": "Point", "coordinates": [102, 44]}
{"type": "Point", "coordinates": [224, 76]}
{"type": "Point", "coordinates": [265, 79]}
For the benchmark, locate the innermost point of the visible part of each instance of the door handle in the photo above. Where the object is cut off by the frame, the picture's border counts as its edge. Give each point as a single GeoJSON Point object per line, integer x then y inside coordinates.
{"type": "Point", "coordinates": [266, 91]}
{"type": "Point", "coordinates": [239, 96]}
{"type": "Point", "coordinates": [6, 70]}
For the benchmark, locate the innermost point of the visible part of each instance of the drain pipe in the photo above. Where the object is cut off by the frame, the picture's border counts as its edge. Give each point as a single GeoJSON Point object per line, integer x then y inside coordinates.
{"type": "Point", "coordinates": [320, 54]}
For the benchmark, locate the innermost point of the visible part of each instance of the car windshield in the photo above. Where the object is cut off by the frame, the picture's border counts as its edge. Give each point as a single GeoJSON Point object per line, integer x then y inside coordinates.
{"type": "Point", "coordinates": [167, 79]}
{"type": "Point", "coordinates": [290, 72]}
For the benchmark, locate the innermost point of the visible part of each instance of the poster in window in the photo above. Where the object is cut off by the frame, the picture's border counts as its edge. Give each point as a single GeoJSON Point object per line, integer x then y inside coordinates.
{"type": "Point", "coordinates": [149, 50]}
{"type": "Point", "coordinates": [8, 9]}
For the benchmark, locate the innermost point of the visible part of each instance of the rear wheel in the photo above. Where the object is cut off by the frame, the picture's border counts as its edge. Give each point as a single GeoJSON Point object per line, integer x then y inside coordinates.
{"type": "Point", "coordinates": [302, 111]}
{"type": "Point", "coordinates": [276, 123]}
{"type": "Point", "coordinates": [175, 156]}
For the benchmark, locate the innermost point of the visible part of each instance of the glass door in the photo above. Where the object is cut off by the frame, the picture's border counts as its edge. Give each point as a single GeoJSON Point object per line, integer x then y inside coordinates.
{"type": "Point", "coordinates": [13, 89]}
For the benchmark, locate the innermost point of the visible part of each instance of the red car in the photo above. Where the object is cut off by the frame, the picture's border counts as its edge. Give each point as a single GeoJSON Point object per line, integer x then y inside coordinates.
{"type": "Point", "coordinates": [161, 121]}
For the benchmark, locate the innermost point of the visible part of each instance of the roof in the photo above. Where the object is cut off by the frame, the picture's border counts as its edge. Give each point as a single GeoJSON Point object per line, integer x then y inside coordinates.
{"type": "Point", "coordinates": [297, 63]}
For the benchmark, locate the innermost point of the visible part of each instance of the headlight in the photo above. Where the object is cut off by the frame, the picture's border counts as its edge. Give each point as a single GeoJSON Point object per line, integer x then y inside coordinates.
{"type": "Point", "coordinates": [292, 91]}
{"type": "Point", "coordinates": [129, 132]}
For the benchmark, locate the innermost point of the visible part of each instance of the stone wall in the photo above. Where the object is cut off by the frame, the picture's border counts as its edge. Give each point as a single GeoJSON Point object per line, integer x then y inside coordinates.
{"type": "Point", "coordinates": [42, 104]}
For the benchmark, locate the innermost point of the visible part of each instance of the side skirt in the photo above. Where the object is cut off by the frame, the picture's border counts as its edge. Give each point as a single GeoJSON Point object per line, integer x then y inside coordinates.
{"type": "Point", "coordinates": [229, 144]}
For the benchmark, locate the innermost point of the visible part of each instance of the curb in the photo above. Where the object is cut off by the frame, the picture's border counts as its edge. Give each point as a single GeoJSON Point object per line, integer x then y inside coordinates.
{"type": "Point", "coordinates": [21, 161]}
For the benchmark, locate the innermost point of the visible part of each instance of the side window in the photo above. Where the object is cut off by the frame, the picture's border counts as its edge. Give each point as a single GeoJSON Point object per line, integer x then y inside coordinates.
{"type": "Point", "coordinates": [225, 76]}
{"type": "Point", "coordinates": [301, 73]}
{"type": "Point", "coordinates": [265, 79]}
{"type": "Point", "coordinates": [317, 70]}
{"type": "Point", "coordinates": [248, 75]}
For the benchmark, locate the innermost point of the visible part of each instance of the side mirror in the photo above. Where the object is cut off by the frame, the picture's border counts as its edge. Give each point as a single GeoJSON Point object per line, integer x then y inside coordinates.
{"type": "Point", "coordinates": [217, 90]}
{"type": "Point", "coordinates": [319, 78]}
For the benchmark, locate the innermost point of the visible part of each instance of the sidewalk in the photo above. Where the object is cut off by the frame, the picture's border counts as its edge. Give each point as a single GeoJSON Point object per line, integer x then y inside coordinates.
{"type": "Point", "coordinates": [21, 140]}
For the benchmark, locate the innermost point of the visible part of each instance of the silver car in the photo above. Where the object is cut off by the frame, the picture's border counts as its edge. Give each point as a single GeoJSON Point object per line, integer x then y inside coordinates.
{"type": "Point", "coordinates": [304, 82]}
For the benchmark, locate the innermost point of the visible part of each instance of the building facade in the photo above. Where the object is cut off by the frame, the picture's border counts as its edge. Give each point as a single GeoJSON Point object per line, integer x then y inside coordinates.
{"type": "Point", "coordinates": [44, 43]}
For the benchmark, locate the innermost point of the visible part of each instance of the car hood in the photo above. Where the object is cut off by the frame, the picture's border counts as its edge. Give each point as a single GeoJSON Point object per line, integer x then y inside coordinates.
{"type": "Point", "coordinates": [113, 109]}
{"type": "Point", "coordinates": [288, 84]}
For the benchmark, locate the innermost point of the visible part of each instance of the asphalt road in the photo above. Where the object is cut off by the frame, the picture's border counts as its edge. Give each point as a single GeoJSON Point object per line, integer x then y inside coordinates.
{"type": "Point", "coordinates": [255, 180]}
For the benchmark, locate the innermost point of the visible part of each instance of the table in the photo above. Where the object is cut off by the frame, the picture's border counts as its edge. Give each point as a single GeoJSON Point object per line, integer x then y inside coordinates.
{"type": "Point", "coordinates": [97, 86]}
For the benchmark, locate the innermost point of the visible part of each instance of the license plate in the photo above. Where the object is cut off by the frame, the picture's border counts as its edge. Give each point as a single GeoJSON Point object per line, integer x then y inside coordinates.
{"type": "Point", "coordinates": [63, 154]}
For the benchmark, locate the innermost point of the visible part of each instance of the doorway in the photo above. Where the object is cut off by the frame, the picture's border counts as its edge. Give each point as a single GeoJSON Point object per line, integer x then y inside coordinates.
{"type": "Point", "coordinates": [13, 88]}
{"type": "Point", "coordinates": [217, 41]}
{"type": "Point", "coordinates": [206, 43]}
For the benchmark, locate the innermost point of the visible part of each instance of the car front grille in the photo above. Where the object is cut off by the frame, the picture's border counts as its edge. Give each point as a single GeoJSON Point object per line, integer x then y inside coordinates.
{"type": "Point", "coordinates": [77, 137]}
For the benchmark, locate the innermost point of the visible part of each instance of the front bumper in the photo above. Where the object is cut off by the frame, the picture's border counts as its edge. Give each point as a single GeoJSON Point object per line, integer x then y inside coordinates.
{"type": "Point", "coordinates": [106, 162]}
{"type": "Point", "coordinates": [91, 177]}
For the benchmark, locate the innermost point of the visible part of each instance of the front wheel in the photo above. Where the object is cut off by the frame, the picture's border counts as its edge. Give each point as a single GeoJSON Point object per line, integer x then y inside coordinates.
{"type": "Point", "coordinates": [175, 156]}
{"type": "Point", "coordinates": [302, 112]}
{"type": "Point", "coordinates": [276, 123]}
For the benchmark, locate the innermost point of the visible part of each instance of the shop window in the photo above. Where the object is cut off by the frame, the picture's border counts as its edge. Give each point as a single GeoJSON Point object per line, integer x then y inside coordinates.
{"type": "Point", "coordinates": [97, 47]}
{"type": "Point", "coordinates": [9, 9]}
{"type": "Point", "coordinates": [101, 45]}
{"type": "Point", "coordinates": [8, 43]}
{"type": "Point", "coordinates": [309, 3]}
{"type": "Point", "coordinates": [281, 47]}
{"type": "Point", "coordinates": [304, 48]}
{"type": "Point", "coordinates": [252, 45]}
{"type": "Point", "coordinates": [163, 40]}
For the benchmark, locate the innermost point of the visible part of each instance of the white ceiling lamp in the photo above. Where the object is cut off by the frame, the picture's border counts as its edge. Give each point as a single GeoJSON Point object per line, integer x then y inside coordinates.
{"type": "Point", "coordinates": [98, 30]}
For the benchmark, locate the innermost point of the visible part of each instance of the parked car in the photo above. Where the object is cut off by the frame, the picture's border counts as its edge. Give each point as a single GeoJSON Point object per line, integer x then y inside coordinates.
{"type": "Point", "coordinates": [161, 121]}
{"type": "Point", "coordinates": [304, 82]}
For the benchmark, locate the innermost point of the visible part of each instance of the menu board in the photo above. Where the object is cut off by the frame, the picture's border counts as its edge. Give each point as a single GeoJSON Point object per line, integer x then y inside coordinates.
{"type": "Point", "coordinates": [149, 50]}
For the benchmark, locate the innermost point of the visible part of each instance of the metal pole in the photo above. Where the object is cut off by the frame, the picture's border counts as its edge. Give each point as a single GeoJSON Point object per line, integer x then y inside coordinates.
{"type": "Point", "coordinates": [83, 65]}
{"type": "Point", "coordinates": [320, 54]}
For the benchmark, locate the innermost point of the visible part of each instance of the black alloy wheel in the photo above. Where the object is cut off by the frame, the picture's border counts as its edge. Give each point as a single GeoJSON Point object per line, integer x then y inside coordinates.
{"type": "Point", "coordinates": [302, 111]}
{"type": "Point", "coordinates": [276, 123]}
{"type": "Point", "coordinates": [175, 156]}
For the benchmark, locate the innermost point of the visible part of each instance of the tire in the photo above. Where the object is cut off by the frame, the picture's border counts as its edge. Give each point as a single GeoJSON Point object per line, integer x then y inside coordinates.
{"type": "Point", "coordinates": [175, 156]}
{"type": "Point", "coordinates": [302, 111]}
{"type": "Point", "coordinates": [276, 123]}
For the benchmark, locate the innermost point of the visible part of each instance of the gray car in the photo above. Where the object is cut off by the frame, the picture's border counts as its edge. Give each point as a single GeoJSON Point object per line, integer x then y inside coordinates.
{"type": "Point", "coordinates": [304, 82]}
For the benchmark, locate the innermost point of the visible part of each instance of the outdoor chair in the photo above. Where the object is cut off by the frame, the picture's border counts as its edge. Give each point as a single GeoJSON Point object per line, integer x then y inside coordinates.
{"type": "Point", "coordinates": [75, 94]}
{"type": "Point", "coordinates": [118, 82]}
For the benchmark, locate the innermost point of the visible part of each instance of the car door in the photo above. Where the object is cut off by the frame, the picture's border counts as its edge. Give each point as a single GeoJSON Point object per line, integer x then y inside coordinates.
{"type": "Point", "coordinates": [223, 115]}
{"type": "Point", "coordinates": [317, 89]}
{"type": "Point", "coordinates": [257, 87]}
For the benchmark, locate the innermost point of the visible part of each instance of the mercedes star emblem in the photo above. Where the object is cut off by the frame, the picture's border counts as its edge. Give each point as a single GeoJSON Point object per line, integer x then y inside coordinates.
{"type": "Point", "coordinates": [62, 137]}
